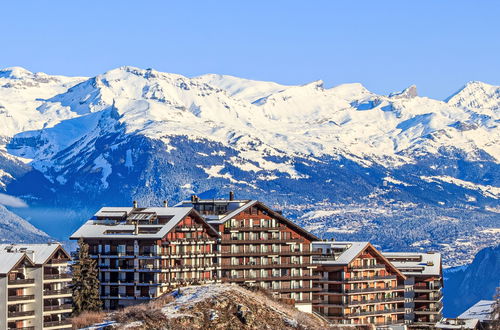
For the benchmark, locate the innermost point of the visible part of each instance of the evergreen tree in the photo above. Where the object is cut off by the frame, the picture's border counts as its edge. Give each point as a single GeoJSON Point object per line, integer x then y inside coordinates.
{"type": "Point", "coordinates": [495, 313]}
{"type": "Point", "coordinates": [85, 284]}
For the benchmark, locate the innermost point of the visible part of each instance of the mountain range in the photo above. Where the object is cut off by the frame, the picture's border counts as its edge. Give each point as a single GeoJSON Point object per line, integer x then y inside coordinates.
{"type": "Point", "coordinates": [403, 171]}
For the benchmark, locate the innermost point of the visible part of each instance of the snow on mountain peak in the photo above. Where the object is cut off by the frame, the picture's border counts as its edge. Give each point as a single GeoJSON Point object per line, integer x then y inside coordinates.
{"type": "Point", "coordinates": [15, 72]}
{"type": "Point", "coordinates": [307, 119]}
{"type": "Point", "coordinates": [477, 95]}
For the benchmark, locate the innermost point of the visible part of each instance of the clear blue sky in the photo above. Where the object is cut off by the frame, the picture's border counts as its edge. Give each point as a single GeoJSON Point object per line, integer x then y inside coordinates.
{"type": "Point", "coordinates": [385, 45]}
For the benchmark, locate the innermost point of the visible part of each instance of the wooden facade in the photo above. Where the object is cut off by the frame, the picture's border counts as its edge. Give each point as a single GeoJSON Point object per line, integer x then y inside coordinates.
{"type": "Point", "coordinates": [366, 289]}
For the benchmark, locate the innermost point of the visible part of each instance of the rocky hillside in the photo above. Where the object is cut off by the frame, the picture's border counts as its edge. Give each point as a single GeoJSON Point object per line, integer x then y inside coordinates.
{"type": "Point", "coordinates": [217, 306]}
{"type": "Point", "coordinates": [477, 281]}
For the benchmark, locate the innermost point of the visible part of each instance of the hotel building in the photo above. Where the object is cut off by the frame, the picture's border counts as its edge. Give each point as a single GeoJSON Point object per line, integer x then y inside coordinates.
{"type": "Point", "coordinates": [358, 285]}
{"type": "Point", "coordinates": [34, 287]}
{"type": "Point", "coordinates": [424, 275]}
{"type": "Point", "coordinates": [260, 247]}
{"type": "Point", "coordinates": [142, 253]}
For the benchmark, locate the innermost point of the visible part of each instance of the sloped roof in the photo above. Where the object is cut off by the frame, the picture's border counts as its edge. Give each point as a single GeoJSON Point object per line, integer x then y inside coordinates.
{"type": "Point", "coordinates": [98, 228]}
{"type": "Point", "coordinates": [428, 263]}
{"type": "Point", "coordinates": [457, 324]}
{"type": "Point", "coordinates": [480, 310]}
{"type": "Point", "coordinates": [351, 251]}
{"type": "Point", "coordinates": [275, 214]}
{"type": "Point", "coordinates": [10, 259]}
{"type": "Point", "coordinates": [41, 252]}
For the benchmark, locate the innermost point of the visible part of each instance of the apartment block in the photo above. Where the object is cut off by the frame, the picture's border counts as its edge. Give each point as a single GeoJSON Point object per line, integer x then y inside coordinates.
{"type": "Point", "coordinates": [143, 252]}
{"type": "Point", "coordinates": [260, 247]}
{"type": "Point", "coordinates": [358, 284]}
{"type": "Point", "coordinates": [34, 287]}
{"type": "Point", "coordinates": [424, 275]}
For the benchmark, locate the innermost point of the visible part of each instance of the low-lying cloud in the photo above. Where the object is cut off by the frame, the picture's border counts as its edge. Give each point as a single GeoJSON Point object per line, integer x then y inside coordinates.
{"type": "Point", "coordinates": [12, 201]}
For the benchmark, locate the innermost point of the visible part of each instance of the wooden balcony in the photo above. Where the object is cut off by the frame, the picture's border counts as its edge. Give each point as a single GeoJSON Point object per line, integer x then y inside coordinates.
{"type": "Point", "coordinates": [261, 241]}
{"type": "Point", "coordinates": [296, 289]}
{"type": "Point", "coordinates": [359, 279]}
{"type": "Point", "coordinates": [17, 314]}
{"type": "Point", "coordinates": [360, 302]}
{"type": "Point", "coordinates": [21, 298]}
{"type": "Point", "coordinates": [269, 278]}
{"type": "Point", "coordinates": [272, 265]}
{"type": "Point", "coordinates": [255, 228]}
{"type": "Point", "coordinates": [361, 267]}
{"type": "Point", "coordinates": [57, 276]}
{"type": "Point", "coordinates": [22, 281]}
{"type": "Point", "coordinates": [364, 290]}
{"type": "Point", "coordinates": [57, 307]}
{"type": "Point", "coordinates": [268, 253]}
{"type": "Point", "coordinates": [51, 324]}
{"type": "Point", "coordinates": [66, 291]}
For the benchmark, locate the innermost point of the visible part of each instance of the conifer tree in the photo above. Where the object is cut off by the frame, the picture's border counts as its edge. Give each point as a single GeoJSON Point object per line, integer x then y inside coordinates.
{"type": "Point", "coordinates": [85, 283]}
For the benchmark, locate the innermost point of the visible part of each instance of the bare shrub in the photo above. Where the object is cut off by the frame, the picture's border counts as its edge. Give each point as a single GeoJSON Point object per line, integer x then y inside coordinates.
{"type": "Point", "coordinates": [86, 319]}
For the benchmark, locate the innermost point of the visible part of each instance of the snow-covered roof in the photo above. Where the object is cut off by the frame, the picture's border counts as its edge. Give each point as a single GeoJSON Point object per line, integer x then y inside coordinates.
{"type": "Point", "coordinates": [9, 260]}
{"type": "Point", "coordinates": [480, 310]}
{"type": "Point", "coordinates": [349, 251]}
{"type": "Point", "coordinates": [115, 229]}
{"type": "Point", "coordinates": [236, 211]}
{"type": "Point", "coordinates": [457, 324]}
{"type": "Point", "coordinates": [416, 263]}
{"type": "Point", "coordinates": [41, 252]}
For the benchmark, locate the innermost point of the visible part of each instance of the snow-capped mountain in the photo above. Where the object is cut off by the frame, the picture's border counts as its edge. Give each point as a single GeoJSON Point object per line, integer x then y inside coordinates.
{"type": "Point", "coordinates": [14, 229]}
{"type": "Point", "coordinates": [344, 161]}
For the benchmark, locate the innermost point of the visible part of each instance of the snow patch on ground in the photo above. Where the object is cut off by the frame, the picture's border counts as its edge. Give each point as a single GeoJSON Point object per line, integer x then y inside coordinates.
{"type": "Point", "coordinates": [485, 190]}
{"type": "Point", "coordinates": [102, 164]}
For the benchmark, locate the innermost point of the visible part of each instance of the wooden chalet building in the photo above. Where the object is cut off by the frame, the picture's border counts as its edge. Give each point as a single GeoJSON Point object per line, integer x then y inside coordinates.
{"type": "Point", "coordinates": [358, 285]}
{"type": "Point", "coordinates": [259, 246]}
{"type": "Point", "coordinates": [143, 252]}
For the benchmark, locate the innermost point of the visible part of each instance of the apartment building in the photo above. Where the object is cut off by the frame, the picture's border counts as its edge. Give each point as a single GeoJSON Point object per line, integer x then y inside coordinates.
{"type": "Point", "coordinates": [34, 287]}
{"type": "Point", "coordinates": [143, 252]}
{"type": "Point", "coordinates": [424, 275]}
{"type": "Point", "coordinates": [260, 247]}
{"type": "Point", "coordinates": [358, 284]}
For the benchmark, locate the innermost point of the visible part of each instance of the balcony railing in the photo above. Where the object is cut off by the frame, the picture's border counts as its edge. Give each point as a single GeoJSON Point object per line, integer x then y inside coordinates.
{"type": "Point", "coordinates": [296, 289]}
{"type": "Point", "coordinates": [21, 297]}
{"type": "Point", "coordinates": [266, 253]}
{"type": "Point", "coordinates": [363, 302]}
{"type": "Point", "coordinates": [269, 278]}
{"type": "Point", "coordinates": [56, 323]}
{"type": "Point", "coordinates": [20, 313]}
{"type": "Point", "coordinates": [358, 279]}
{"type": "Point", "coordinates": [57, 292]}
{"type": "Point", "coordinates": [22, 281]}
{"type": "Point", "coordinates": [254, 228]}
{"type": "Point", "coordinates": [56, 276]}
{"type": "Point", "coordinates": [399, 287]}
{"type": "Point", "coordinates": [261, 241]}
{"type": "Point", "coordinates": [435, 297]}
{"type": "Point", "coordinates": [376, 266]}
{"type": "Point", "coordinates": [271, 265]}
{"type": "Point", "coordinates": [57, 307]}
{"type": "Point", "coordinates": [385, 311]}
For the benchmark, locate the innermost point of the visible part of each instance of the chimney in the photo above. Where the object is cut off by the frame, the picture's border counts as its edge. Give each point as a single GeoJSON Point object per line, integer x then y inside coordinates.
{"type": "Point", "coordinates": [231, 195]}
{"type": "Point", "coordinates": [136, 228]}
{"type": "Point", "coordinates": [30, 254]}
{"type": "Point", "coordinates": [165, 203]}
{"type": "Point", "coordinates": [193, 198]}
{"type": "Point", "coordinates": [135, 204]}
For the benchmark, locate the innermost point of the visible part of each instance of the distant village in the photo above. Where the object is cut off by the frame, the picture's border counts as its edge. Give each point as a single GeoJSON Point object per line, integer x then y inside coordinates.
{"type": "Point", "coordinates": [142, 253]}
